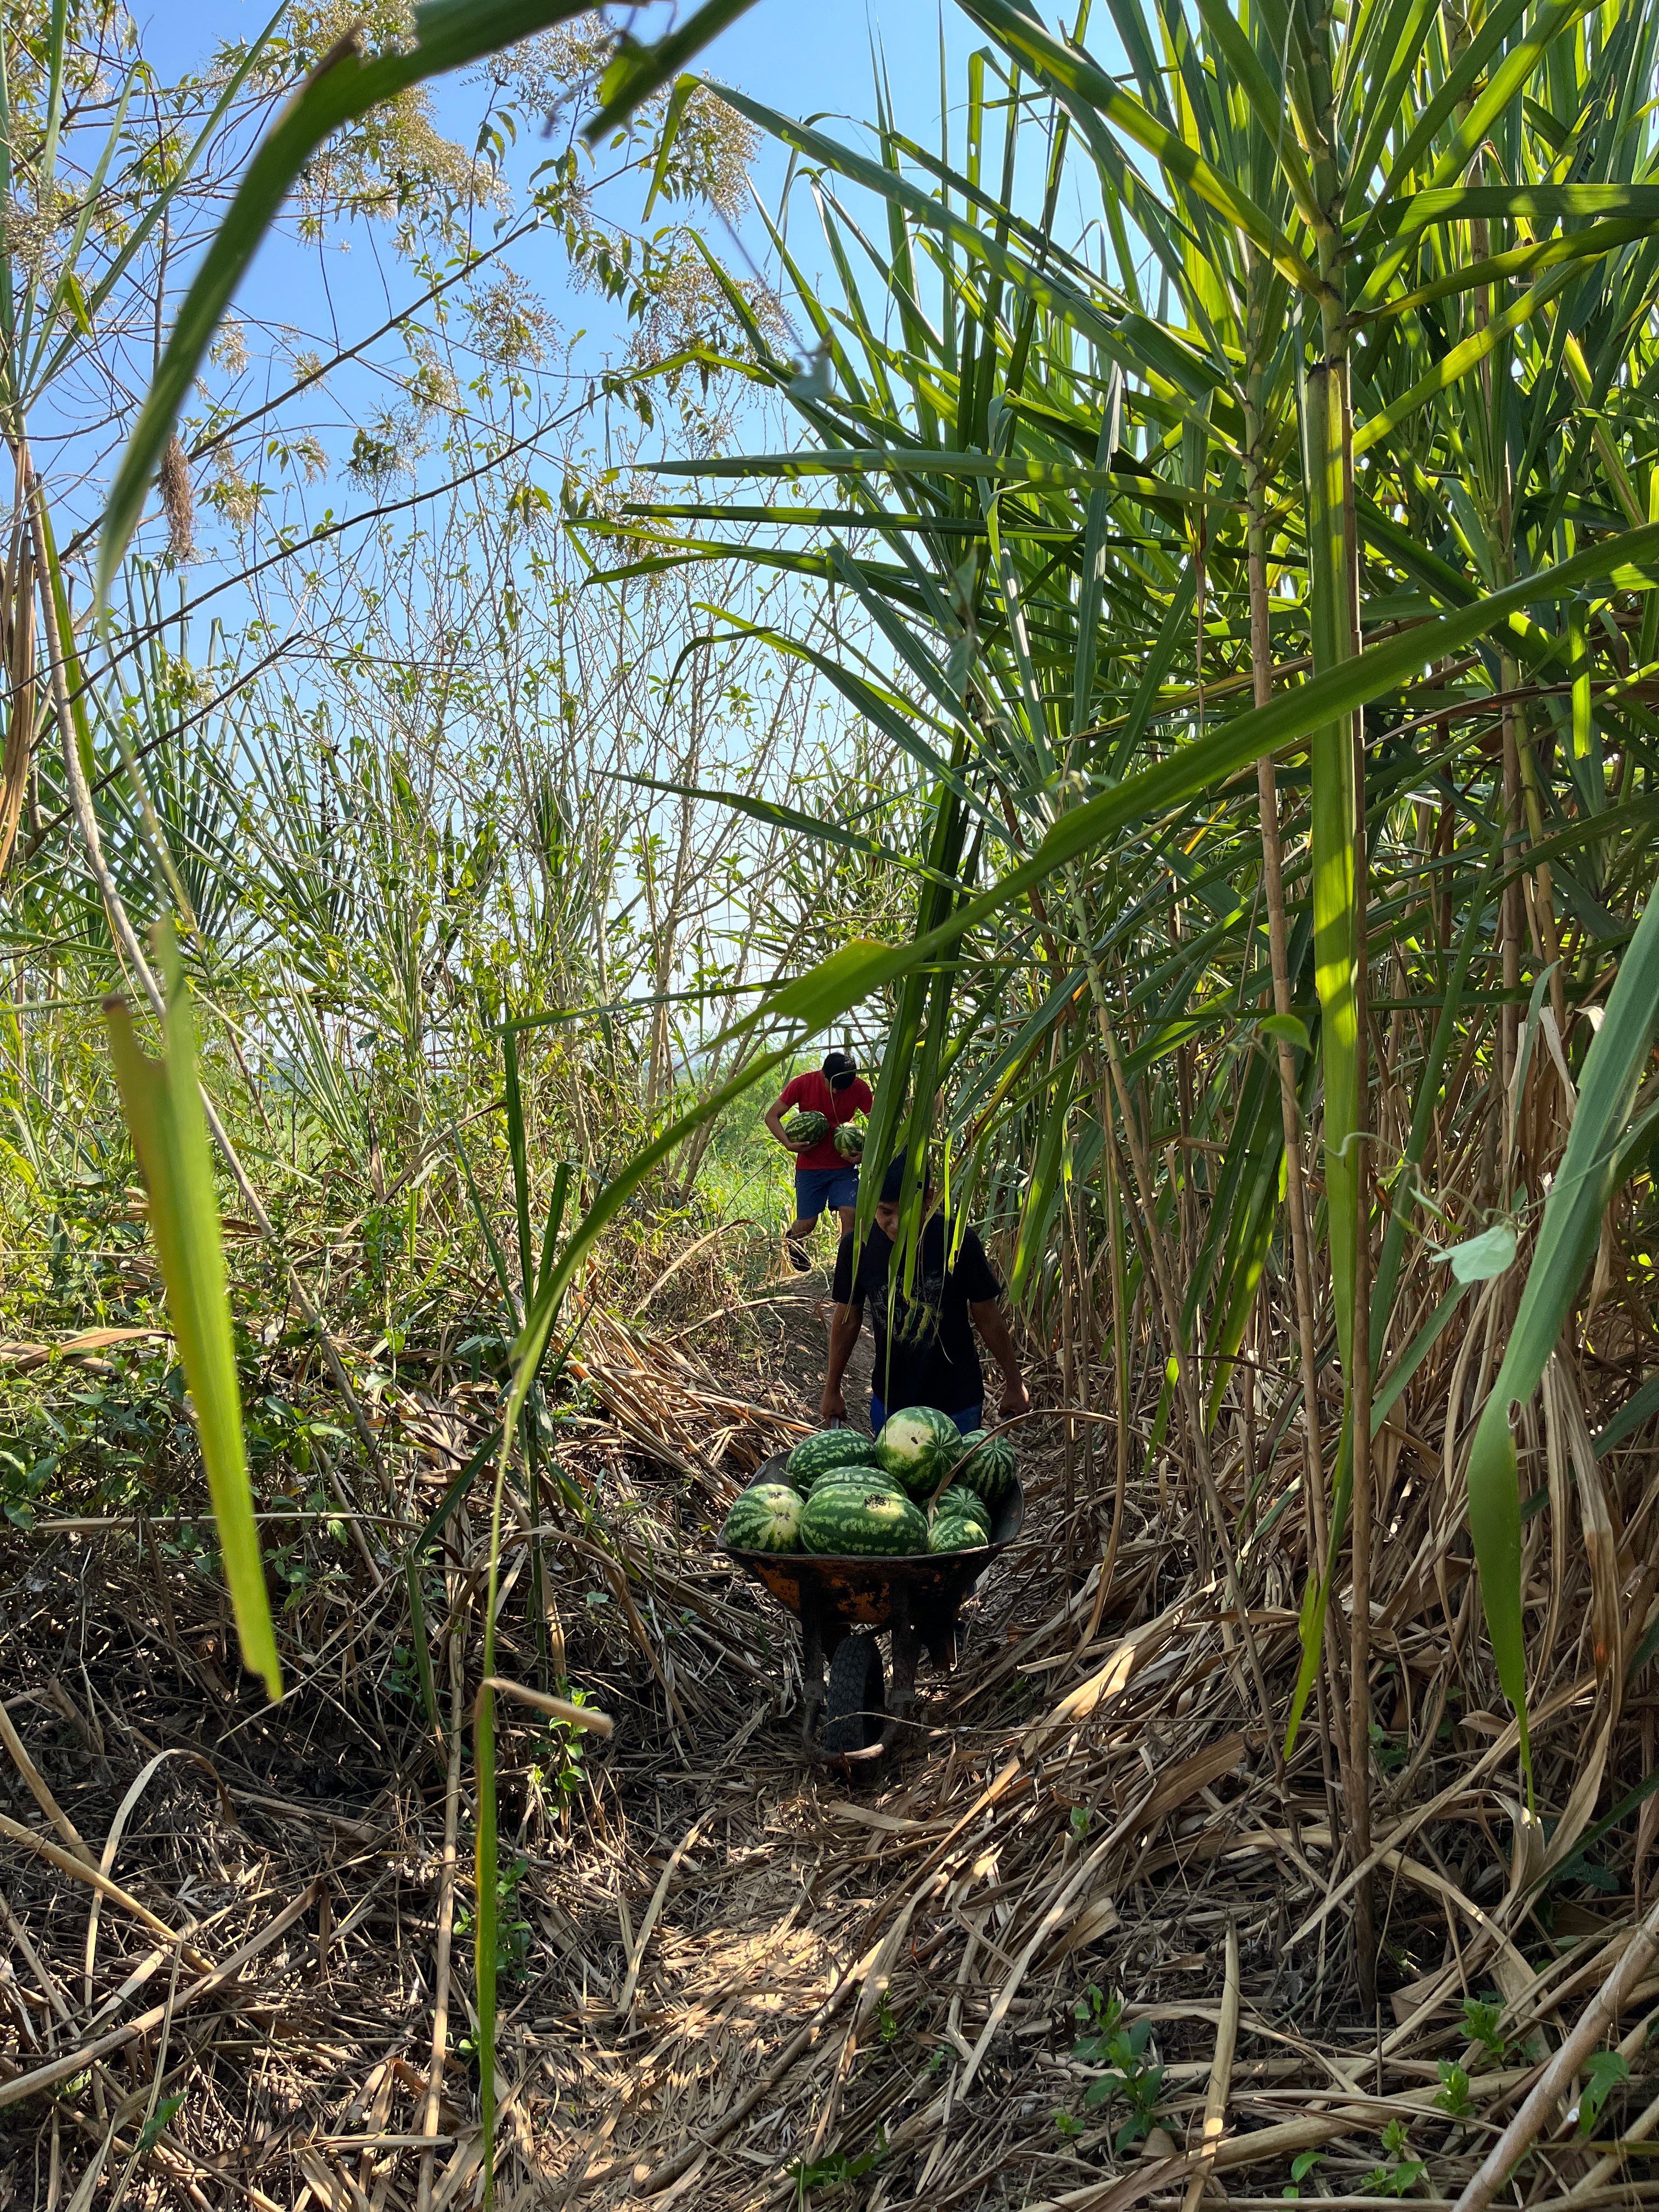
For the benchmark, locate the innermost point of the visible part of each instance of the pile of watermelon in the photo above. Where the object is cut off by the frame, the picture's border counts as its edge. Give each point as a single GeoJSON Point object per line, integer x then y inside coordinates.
{"type": "Point", "coordinates": [851, 1497]}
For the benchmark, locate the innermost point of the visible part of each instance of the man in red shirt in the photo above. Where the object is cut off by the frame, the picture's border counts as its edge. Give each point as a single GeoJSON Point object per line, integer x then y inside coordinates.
{"type": "Point", "coordinates": [823, 1177]}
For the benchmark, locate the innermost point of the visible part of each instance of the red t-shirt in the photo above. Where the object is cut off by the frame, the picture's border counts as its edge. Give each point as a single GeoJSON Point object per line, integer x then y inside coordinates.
{"type": "Point", "coordinates": [812, 1094]}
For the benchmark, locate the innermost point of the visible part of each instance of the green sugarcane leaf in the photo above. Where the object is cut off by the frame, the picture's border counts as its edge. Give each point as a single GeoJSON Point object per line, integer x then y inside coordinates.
{"type": "Point", "coordinates": [1336, 845]}
{"type": "Point", "coordinates": [636, 71]}
{"type": "Point", "coordinates": [1413, 1356]}
{"type": "Point", "coordinates": [1572, 1229]}
{"type": "Point", "coordinates": [777, 817]}
{"type": "Point", "coordinates": [1538, 202]}
{"type": "Point", "coordinates": [1495, 1531]}
{"type": "Point", "coordinates": [1095, 100]}
{"type": "Point", "coordinates": [162, 1100]}
{"type": "Point", "coordinates": [1033, 1237]}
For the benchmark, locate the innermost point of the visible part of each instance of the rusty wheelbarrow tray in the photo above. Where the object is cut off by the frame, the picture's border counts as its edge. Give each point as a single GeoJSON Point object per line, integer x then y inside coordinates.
{"type": "Point", "coordinates": [918, 1597]}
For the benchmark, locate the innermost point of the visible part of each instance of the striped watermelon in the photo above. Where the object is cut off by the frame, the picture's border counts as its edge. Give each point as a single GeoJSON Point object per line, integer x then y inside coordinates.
{"type": "Point", "coordinates": [831, 1448]}
{"type": "Point", "coordinates": [916, 1446]}
{"type": "Point", "coordinates": [956, 1533]}
{"type": "Point", "coordinates": [860, 1478]}
{"type": "Point", "coordinates": [806, 1129]}
{"type": "Point", "coordinates": [849, 1139]}
{"type": "Point", "coordinates": [961, 1498]}
{"type": "Point", "coordinates": [765, 1518]}
{"type": "Point", "coordinates": [986, 1463]}
{"type": "Point", "coordinates": [852, 1520]}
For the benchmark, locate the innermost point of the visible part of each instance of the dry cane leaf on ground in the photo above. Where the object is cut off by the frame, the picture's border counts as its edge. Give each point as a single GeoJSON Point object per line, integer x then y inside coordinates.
{"type": "Point", "coordinates": [724, 1978]}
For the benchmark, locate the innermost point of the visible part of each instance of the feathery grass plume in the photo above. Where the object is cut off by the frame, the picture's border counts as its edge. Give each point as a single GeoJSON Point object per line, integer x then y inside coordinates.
{"type": "Point", "coordinates": [178, 501]}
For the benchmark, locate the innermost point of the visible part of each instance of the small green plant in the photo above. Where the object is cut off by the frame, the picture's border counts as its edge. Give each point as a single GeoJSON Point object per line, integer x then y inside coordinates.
{"type": "Point", "coordinates": [1301, 2167]}
{"type": "Point", "coordinates": [1388, 1755]}
{"type": "Point", "coordinates": [1453, 2095]}
{"type": "Point", "coordinates": [150, 2134]}
{"type": "Point", "coordinates": [1603, 2071]}
{"type": "Point", "coordinates": [1068, 2126]}
{"type": "Point", "coordinates": [557, 1774]}
{"type": "Point", "coordinates": [1480, 2018]}
{"type": "Point", "coordinates": [1399, 2174]}
{"type": "Point", "coordinates": [835, 2171]}
{"type": "Point", "coordinates": [513, 1931]}
{"type": "Point", "coordinates": [1078, 1821]}
{"type": "Point", "coordinates": [887, 2026]}
{"type": "Point", "coordinates": [1122, 2051]}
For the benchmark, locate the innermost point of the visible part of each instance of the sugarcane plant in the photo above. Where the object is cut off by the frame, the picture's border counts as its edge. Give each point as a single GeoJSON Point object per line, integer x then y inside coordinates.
{"type": "Point", "coordinates": [1262, 587]}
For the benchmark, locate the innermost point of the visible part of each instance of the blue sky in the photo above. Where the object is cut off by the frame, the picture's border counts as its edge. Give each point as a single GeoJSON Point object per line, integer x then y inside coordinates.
{"type": "Point", "coordinates": [806, 60]}
{"type": "Point", "coordinates": [806, 56]}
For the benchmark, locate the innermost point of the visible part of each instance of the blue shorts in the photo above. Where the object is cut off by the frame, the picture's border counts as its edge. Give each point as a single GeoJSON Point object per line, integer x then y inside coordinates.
{"type": "Point", "coordinates": [966, 1422]}
{"type": "Point", "coordinates": [817, 1187]}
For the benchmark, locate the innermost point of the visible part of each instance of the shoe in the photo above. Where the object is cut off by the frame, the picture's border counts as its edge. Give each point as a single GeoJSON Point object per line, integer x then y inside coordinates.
{"type": "Point", "coordinates": [797, 1259]}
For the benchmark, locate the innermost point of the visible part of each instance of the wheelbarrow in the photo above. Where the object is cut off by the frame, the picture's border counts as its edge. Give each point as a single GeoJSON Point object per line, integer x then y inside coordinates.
{"type": "Point", "coordinates": [841, 1603]}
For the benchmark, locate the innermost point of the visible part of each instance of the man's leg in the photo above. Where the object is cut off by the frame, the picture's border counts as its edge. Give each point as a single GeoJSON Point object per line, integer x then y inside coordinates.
{"type": "Point", "coordinates": [843, 1195]}
{"type": "Point", "coordinates": [802, 1226]}
{"type": "Point", "coordinates": [804, 1222]}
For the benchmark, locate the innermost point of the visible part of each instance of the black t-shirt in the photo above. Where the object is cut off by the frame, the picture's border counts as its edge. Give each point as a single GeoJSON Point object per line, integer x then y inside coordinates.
{"type": "Point", "coordinates": [926, 1354]}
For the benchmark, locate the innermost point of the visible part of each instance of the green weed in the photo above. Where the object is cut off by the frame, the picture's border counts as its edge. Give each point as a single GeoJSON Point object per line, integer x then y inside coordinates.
{"type": "Point", "coordinates": [835, 2172]}
{"type": "Point", "coordinates": [1398, 2175]}
{"type": "Point", "coordinates": [1453, 2095]}
{"type": "Point", "coordinates": [1122, 2051]}
{"type": "Point", "coordinates": [1301, 2167]}
{"type": "Point", "coordinates": [514, 1933]}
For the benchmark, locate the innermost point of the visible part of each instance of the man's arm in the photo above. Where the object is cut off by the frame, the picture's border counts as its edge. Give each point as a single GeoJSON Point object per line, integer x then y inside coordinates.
{"type": "Point", "coordinates": [773, 1117]}
{"type": "Point", "coordinates": [843, 1335]}
{"type": "Point", "coordinates": [993, 1334]}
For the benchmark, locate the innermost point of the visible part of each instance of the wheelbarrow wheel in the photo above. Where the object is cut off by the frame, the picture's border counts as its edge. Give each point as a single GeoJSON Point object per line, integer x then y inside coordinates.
{"type": "Point", "coordinates": [855, 1698]}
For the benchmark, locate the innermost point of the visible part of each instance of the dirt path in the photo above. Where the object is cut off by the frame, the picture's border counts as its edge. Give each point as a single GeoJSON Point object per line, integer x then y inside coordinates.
{"type": "Point", "coordinates": [799, 1312]}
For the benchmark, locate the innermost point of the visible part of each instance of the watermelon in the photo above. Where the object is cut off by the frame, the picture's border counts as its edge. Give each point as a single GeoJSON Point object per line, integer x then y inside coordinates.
{"type": "Point", "coordinates": [987, 1464]}
{"type": "Point", "coordinates": [955, 1533]}
{"type": "Point", "coordinates": [959, 1504]}
{"type": "Point", "coordinates": [830, 1448]}
{"type": "Point", "coordinates": [806, 1129]}
{"type": "Point", "coordinates": [848, 1519]}
{"type": "Point", "coordinates": [861, 1478]}
{"type": "Point", "coordinates": [916, 1446]}
{"type": "Point", "coordinates": [849, 1140]}
{"type": "Point", "coordinates": [765, 1518]}
{"type": "Point", "coordinates": [961, 1498]}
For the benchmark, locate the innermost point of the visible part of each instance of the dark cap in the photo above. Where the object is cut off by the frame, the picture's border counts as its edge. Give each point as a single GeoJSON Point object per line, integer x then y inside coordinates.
{"type": "Point", "coordinates": [841, 1067]}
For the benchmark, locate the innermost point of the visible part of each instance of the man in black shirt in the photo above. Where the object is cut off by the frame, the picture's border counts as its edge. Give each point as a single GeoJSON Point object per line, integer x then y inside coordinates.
{"type": "Point", "coordinates": [924, 1344]}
